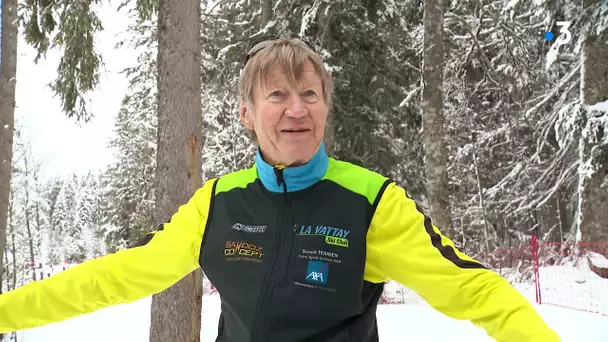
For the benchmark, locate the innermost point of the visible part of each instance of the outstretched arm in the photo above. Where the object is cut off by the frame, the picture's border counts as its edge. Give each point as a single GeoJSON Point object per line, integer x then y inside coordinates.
{"type": "Point", "coordinates": [122, 277]}
{"type": "Point", "coordinates": [403, 245]}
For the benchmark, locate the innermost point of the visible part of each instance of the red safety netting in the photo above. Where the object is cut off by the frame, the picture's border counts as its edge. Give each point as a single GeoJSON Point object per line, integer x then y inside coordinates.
{"type": "Point", "coordinates": [570, 275]}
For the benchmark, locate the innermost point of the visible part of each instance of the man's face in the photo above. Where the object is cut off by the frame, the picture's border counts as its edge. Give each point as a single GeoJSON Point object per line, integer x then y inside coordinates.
{"type": "Point", "coordinates": [289, 120]}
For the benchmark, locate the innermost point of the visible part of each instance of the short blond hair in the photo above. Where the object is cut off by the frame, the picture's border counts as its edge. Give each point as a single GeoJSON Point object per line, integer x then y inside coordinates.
{"type": "Point", "coordinates": [290, 54]}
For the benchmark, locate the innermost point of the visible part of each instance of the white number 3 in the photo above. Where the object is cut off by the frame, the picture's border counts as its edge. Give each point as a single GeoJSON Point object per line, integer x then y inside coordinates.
{"type": "Point", "coordinates": [565, 36]}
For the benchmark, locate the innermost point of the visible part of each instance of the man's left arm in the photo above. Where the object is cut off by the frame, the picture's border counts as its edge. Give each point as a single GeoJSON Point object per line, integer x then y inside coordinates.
{"type": "Point", "coordinates": [403, 245]}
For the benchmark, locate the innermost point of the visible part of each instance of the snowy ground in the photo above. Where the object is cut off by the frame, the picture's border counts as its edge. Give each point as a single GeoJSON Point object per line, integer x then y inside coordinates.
{"type": "Point", "coordinates": [412, 322]}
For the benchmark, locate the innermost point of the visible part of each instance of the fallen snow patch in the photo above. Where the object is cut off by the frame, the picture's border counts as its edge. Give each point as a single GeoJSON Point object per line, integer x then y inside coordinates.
{"type": "Point", "coordinates": [598, 260]}
{"type": "Point", "coordinates": [600, 106]}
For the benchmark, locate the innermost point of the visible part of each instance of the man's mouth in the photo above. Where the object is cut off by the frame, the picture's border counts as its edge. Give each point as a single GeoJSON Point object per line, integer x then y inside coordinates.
{"type": "Point", "coordinates": [295, 130]}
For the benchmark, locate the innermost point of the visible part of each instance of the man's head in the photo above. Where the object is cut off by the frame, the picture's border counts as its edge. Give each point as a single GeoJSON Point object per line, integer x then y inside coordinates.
{"type": "Point", "coordinates": [285, 94]}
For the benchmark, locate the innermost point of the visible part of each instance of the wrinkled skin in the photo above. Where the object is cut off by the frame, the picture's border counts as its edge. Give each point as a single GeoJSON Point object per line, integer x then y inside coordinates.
{"type": "Point", "coordinates": [288, 119]}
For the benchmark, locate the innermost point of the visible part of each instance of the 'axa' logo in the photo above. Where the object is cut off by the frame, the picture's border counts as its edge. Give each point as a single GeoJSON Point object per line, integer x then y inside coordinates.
{"type": "Point", "coordinates": [317, 272]}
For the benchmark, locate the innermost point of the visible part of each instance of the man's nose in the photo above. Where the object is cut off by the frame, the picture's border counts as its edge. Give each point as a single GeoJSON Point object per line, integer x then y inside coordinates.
{"type": "Point", "coordinates": [297, 106]}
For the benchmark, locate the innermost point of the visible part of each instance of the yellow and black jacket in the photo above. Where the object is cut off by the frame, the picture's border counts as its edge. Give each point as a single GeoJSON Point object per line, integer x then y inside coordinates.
{"type": "Point", "coordinates": [297, 254]}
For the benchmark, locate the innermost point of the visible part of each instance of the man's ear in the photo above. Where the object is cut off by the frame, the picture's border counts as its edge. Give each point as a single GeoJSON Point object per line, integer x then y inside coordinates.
{"type": "Point", "coordinates": [246, 115]}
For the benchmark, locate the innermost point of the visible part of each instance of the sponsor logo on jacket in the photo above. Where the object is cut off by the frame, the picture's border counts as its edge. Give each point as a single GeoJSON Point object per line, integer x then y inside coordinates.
{"type": "Point", "coordinates": [317, 272]}
{"type": "Point", "coordinates": [333, 236]}
{"type": "Point", "coordinates": [316, 277]}
{"type": "Point", "coordinates": [248, 228]}
{"type": "Point", "coordinates": [243, 251]}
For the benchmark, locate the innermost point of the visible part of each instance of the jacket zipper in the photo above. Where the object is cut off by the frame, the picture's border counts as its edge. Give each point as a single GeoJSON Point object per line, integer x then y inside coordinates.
{"type": "Point", "coordinates": [277, 262]}
{"type": "Point", "coordinates": [291, 243]}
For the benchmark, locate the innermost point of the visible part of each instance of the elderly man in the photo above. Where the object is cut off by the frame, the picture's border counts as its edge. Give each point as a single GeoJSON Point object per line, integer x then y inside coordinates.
{"type": "Point", "coordinates": [299, 245]}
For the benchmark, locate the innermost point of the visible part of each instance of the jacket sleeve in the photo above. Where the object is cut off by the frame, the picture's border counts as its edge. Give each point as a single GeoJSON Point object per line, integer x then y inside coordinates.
{"type": "Point", "coordinates": [122, 277]}
{"type": "Point", "coordinates": [403, 245]}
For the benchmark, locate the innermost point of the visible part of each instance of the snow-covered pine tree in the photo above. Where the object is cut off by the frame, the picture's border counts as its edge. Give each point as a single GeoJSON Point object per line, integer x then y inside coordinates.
{"type": "Point", "coordinates": [128, 184]}
{"type": "Point", "coordinates": [498, 101]}
{"type": "Point", "coordinates": [86, 204]}
{"type": "Point", "coordinates": [71, 27]}
{"type": "Point", "coordinates": [26, 222]}
{"type": "Point", "coordinates": [96, 221]}
{"type": "Point", "coordinates": [370, 51]}
{"type": "Point", "coordinates": [51, 195]}
{"type": "Point", "coordinates": [226, 146]}
{"type": "Point", "coordinates": [72, 229]}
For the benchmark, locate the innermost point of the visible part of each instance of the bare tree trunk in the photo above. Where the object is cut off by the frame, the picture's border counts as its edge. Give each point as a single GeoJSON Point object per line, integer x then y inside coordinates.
{"type": "Point", "coordinates": [7, 111]}
{"type": "Point", "coordinates": [5, 266]}
{"type": "Point", "coordinates": [482, 203]}
{"type": "Point", "coordinates": [13, 248]}
{"type": "Point", "coordinates": [563, 216]}
{"type": "Point", "coordinates": [593, 186]}
{"type": "Point", "coordinates": [38, 221]}
{"type": "Point", "coordinates": [14, 253]}
{"type": "Point", "coordinates": [39, 229]}
{"type": "Point", "coordinates": [435, 151]}
{"type": "Point", "coordinates": [266, 12]}
{"type": "Point", "coordinates": [176, 312]}
{"type": "Point", "coordinates": [28, 226]}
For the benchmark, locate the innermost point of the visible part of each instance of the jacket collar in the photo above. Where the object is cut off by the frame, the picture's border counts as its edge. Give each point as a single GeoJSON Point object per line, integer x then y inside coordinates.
{"type": "Point", "coordinates": [297, 177]}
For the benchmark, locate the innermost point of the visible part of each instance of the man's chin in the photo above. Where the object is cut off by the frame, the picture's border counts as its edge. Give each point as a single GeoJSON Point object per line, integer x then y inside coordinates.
{"type": "Point", "coordinates": [297, 156]}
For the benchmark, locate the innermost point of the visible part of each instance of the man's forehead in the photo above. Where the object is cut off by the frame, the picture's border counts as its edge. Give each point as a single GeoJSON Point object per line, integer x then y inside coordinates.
{"type": "Point", "coordinates": [280, 75]}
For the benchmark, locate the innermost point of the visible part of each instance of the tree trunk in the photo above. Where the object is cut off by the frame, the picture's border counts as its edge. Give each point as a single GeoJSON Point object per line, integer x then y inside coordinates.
{"type": "Point", "coordinates": [42, 261]}
{"type": "Point", "coordinates": [176, 312]}
{"type": "Point", "coordinates": [435, 151]}
{"type": "Point", "coordinates": [593, 186]}
{"type": "Point", "coordinates": [13, 247]}
{"type": "Point", "coordinates": [482, 203]}
{"type": "Point", "coordinates": [28, 226]}
{"type": "Point", "coordinates": [266, 12]}
{"type": "Point", "coordinates": [330, 126]}
{"type": "Point", "coordinates": [5, 270]}
{"type": "Point", "coordinates": [7, 110]}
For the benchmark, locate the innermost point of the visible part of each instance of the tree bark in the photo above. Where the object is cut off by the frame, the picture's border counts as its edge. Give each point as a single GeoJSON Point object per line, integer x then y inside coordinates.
{"type": "Point", "coordinates": [593, 187]}
{"type": "Point", "coordinates": [5, 266]}
{"type": "Point", "coordinates": [435, 150]}
{"type": "Point", "coordinates": [14, 253]}
{"type": "Point", "coordinates": [7, 110]}
{"type": "Point", "coordinates": [176, 312]}
{"type": "Point", "coordinates": [13, 246]}
{"type": "Point", "coordinates": [266, 12]}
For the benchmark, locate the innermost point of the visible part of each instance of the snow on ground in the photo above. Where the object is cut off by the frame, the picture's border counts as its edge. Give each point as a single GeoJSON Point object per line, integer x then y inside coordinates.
{"type": "Point", "coordinates": [601, 106]}
{"type": "Point", "coordinates": [130, 323]}
{"type": "Point", "coordinates": [413, 321]}
{"type": "Point", "coordinates": [574, 287]}
{"type": "Point", "coordinates": [596, 258]}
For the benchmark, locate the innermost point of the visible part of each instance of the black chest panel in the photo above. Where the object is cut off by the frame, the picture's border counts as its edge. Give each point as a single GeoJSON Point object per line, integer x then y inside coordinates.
{"type": "Point", "coordinates": [289, 267]}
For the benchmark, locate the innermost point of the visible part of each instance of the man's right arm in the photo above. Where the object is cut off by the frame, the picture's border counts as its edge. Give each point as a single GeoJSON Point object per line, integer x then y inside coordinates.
{"type": "Point", "coordinates": [123, 277]}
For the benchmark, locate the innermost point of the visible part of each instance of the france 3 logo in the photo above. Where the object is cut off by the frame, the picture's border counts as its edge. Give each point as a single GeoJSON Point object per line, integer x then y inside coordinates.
{"type": "Point", "coordinates": [565, 36]}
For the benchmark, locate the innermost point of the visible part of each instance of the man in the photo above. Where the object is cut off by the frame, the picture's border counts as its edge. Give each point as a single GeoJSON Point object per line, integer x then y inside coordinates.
{"type": "Point", "coordinates": [299, 245]}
